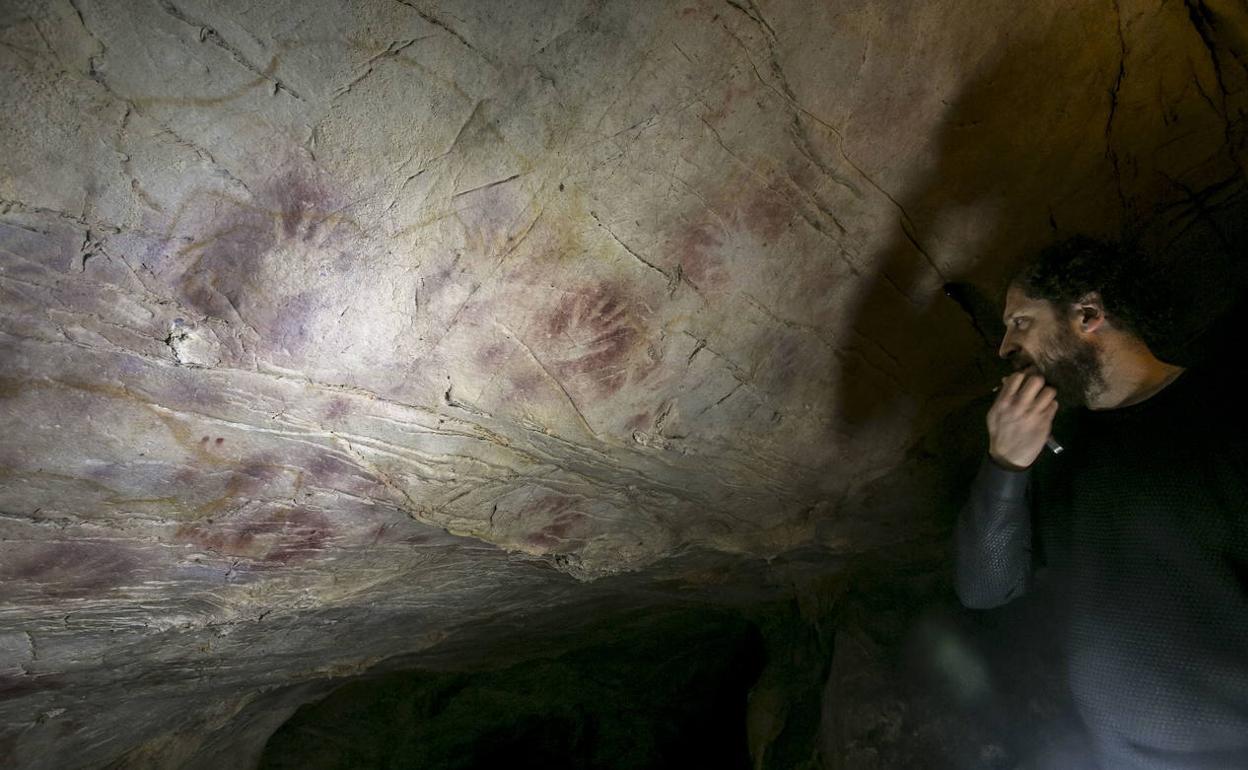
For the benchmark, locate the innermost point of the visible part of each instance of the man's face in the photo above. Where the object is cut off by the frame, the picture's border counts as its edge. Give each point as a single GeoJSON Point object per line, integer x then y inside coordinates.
{"type": "Point", "coordinates": [1040, 339]}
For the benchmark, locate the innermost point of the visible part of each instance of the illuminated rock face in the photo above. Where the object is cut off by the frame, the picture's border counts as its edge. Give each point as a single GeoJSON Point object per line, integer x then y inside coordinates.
{"type": "Point", "coordinates": [328, 331]}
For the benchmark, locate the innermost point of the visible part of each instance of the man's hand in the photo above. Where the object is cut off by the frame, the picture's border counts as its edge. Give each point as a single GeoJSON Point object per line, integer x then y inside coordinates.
{"type": "Point", "coordinates": [1020, 420]}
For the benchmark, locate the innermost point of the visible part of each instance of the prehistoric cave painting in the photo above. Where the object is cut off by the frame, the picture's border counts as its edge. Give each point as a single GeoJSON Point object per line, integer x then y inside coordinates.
{"type": "Point", "coordinates": [328, 469]}
{"type": "Point", "coordinates": [269, 512]}
{"type": "Point", "coordinates": [67, 569]}
{"type": "Point", "coordinates": [259, 264]}
{"type": "Point", "coordinates": [496, 217]}
{"type": "Point", "coordinates": [720, 245]}
{"type": "Point", "coordinates": [337, 409]}
{"type": "Point", "coordinates": [765, 212]}
{"type": "Point", "coordinates": [639, 421]}
{"type": "Point", "coordinates": [597, 337]}
{"type": "Point", "coordinates": [274, 536]}
{"type": "Point", "coordinates": [566, 524]}
{"type": "Point", "coordinates": [328, 465]}
{"type": "Point", "coordinates": [493, 355]}
{"type": "Point", "coordinates": [247, 481]}
{"type": "Point", "coordinates": [697, 251]}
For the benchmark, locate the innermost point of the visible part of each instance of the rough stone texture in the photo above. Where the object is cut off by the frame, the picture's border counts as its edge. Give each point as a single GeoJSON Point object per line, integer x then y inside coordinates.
{"type": "Point", "coordinates": [329, 331]}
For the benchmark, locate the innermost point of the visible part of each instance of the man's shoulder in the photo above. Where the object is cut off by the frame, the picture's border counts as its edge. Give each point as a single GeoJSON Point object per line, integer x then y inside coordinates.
{"type": "Point", "coordinates": [1209, 406]}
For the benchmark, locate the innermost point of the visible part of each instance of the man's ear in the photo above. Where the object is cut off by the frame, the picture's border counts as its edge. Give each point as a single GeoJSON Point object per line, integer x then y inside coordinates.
{"type": "Point", "coordinates": [1090, 312]}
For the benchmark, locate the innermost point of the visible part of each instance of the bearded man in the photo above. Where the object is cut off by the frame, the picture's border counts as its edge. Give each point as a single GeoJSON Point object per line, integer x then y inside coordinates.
{"type": "Point", "coordinates": [1140, 526]}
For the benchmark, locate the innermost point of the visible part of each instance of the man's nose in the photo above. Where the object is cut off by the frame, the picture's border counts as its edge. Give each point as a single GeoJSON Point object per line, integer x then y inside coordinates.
{"type": "Point", "coordinates": [1008, 346]}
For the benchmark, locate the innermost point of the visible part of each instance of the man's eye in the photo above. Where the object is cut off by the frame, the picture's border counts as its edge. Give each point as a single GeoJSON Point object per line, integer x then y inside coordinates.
{"type": "Point", "coordinates": [1020, 323]}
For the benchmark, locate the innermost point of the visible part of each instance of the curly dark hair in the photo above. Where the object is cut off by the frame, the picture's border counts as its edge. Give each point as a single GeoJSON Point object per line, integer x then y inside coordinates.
{"type": "Point", "coordinates": [1067, 271]}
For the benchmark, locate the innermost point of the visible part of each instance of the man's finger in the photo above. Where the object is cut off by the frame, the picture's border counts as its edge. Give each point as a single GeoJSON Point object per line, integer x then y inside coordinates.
{"type": "Point", "coordinates": [1035, 383]}
{"type": "Point", "coordinates": [1012, 384]}
{"type": "Point", "coordinates": [1047, 396]}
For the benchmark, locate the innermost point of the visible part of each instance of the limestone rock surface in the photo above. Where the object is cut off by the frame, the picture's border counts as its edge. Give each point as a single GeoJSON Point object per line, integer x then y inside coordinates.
{"type": "Point", "coordinates": [331, 330]}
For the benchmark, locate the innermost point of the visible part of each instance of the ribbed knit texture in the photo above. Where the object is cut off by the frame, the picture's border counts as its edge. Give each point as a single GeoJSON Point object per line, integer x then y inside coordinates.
{"type": "Point", "coordinates": [1141, 527]}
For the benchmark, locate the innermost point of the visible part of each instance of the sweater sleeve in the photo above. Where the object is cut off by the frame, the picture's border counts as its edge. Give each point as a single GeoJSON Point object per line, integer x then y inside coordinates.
{"type": "Point", "coordinates": [993, 539]}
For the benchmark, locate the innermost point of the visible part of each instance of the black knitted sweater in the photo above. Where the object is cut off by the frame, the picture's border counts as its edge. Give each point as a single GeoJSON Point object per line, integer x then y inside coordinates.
{"type": "Point", "coordinates": [1141, 529]}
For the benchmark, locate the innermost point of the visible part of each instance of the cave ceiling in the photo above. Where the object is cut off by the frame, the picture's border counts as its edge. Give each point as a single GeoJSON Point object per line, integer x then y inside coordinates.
{"type": "Point", "coordinates": [391, 315]}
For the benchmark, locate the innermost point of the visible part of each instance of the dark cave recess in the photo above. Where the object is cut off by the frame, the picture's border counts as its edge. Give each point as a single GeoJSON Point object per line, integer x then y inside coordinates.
{"type": "Point", "coordinates": [668, 693]}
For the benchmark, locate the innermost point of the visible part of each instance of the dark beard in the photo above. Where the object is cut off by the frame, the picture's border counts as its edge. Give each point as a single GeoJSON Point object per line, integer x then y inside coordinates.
{"type": "Point", "coordinates": [1073, 369]}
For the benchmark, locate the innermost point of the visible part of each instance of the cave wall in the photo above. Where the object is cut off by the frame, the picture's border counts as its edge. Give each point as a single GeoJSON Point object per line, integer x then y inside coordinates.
{"type": "Point", "coordinates": [330, 330]}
